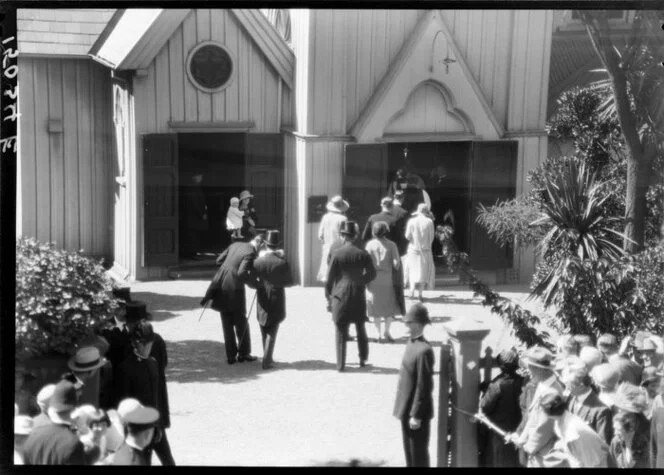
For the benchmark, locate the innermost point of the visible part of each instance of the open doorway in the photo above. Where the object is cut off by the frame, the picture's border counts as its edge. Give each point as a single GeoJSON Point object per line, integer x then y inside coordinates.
{"type": "Point", "coordinates": [212, 169]}
{"type": "Point", "coordinates": [445, 168]}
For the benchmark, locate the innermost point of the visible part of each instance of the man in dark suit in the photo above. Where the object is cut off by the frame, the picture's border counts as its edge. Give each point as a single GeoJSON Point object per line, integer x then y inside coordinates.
{"type": "Point", "coordinates": [226, 291]}
{"type": "Point", "coordinates": [402, 217]}
{"type": "Point", "coordinates": [386, 215]}
{"type": "Point", "coordinates": [414, 401]}
{"type": "Point", "coordinates": [55, 443]}
{"type": "Point", "coordinates": [630, 371]}
{"type": "Point", "coordinates": [274, 274]}
{"type": "Point", "coordinates": [584, 402]}
{"type": "Point", "coordinates": [141, 425]}
{"type": "Point", "coordinates": [351, 269]}
{"type": "Point", "coordinates": [117, 332]}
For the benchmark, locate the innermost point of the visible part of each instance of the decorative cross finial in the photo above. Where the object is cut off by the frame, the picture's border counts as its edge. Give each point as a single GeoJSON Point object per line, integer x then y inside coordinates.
{"type": "Point", "coordinates": [447, 61]}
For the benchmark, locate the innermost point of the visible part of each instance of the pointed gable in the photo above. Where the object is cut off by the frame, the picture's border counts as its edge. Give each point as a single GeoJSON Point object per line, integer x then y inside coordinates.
{"type": "Point", "coordinates": [429, 63]}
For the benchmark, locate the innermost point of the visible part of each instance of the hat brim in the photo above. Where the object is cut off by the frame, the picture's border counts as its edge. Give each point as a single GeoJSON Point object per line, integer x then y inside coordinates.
{"type": "Point", "coordinates": [538, 365]}
{"type": "Point", "coordinates": [331, 207]}
{"type": "Point", "coordinates": [245, 197]}
{"type": "Point", "coordinates": [72, 365]}
{"type": "Point", "coordinates": [143, 416]}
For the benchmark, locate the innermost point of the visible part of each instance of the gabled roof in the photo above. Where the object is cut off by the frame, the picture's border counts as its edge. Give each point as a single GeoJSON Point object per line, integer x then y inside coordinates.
{"type": "Point", "coordinates": [134, 37]}
{"type": "Point", "coordinates": [60, 32]}
{"type": "Point", "coordinates": [413, 66]}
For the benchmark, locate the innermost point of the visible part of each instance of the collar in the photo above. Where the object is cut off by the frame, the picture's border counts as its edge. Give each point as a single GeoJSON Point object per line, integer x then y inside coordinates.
{"type": "Point", "coordinates": [415, 338]}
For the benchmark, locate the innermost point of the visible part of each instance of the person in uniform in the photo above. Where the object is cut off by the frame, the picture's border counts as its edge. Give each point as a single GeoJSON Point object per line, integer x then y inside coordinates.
{"type": "Point", "coordinates": [328, 232]}
{"type": "Point", "coordinates": [274, 274]}
{"type": "Point", "coordinates": [140, 423]}
{"type": "Point", "coordinates": [414, 399]}
{"type": "Point", "coordinates": [228, 297]}
{"type": "Point", "coordinates": [350, 271]}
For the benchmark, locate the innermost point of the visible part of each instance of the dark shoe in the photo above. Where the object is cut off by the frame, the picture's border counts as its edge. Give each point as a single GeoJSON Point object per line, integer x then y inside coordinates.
{"type": "Point", "coordinates": [248, 358]}
{"type": "Point", "coordinates": [232, 361]}
{"type": "Point", "coordinates": [363, 363]}
{"type": "Point", "coordinates": [268, 364]}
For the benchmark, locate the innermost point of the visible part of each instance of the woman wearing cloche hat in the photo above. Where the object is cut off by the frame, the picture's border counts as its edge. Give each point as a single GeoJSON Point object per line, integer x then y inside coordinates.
{"type": "Point", "coordinates": [630, 446]}
{"type": "Point", "coordinates": [328, 232]}
{"type": "Point", "coordinates": [418, 263]}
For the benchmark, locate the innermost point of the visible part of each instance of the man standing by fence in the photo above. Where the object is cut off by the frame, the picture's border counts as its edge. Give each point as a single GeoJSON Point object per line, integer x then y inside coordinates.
{"type": "Point", "coordinates": [414, 402]}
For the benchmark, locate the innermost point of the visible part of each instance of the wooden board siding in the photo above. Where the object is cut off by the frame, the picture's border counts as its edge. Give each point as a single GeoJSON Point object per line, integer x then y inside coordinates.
{"type": "Point", "coordinates": [252, 96]}
{"type": "Point", "coordinates": [292, 217]}
{"type": "Point", "coordinates": [65, 176]}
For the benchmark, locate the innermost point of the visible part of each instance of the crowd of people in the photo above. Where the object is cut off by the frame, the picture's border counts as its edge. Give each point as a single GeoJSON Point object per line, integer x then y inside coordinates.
{"type": "Point", "coordinates": [588, 405]}
{"type": "Point", "coordinates": [121, 420]}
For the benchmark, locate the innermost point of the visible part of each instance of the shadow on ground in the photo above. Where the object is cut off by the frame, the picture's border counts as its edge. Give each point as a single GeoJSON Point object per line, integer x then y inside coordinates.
{"type": "Point", "coordinates": [442, 298]}
{"type": "Point", "coordinates": [162, 306]}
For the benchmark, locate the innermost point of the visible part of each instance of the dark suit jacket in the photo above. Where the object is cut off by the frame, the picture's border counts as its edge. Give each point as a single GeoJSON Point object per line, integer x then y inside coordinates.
{"type": "Point", "coordinates": [597, 415]}
{"type": "Point", "coordinates": [118, 342]}
{"type": "Point", "coordinates": [127, 455]}
{"type": "Point", "coordinates": [500, 403]}
{"type": "Point", "coordinates": [227, 288]}
{"type": "Point", "coordinates": [160, 355]}
{"type": "Point", "coordinates": [274, 274]}
{"type": "Point", "coordinates": [402, 219]}
{"type": "Point", "coordinates": [386, 217]}
{"type": "Point", "coordinates": [415, 387]}
{"type": "Point", "coordinates": [139, 378]}
{"type": "Point", "coordinates": [53, 444]}
{"type": "Point", "coordinates": [351, 269]}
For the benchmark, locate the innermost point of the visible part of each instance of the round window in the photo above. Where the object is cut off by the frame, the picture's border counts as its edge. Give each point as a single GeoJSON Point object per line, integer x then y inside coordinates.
{"type": "Point", "coordinates": [210, 67]}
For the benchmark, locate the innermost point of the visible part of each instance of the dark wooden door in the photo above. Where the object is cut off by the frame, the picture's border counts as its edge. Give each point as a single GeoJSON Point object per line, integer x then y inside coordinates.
{"type": "Point", "coordinates": [160, 178]}
{"type": "Point", "coordinates": [364, 180]}
{"type": "Point", "coordinates": [492, 179]}
{"type": "Point", "coordinates": [264, 177]}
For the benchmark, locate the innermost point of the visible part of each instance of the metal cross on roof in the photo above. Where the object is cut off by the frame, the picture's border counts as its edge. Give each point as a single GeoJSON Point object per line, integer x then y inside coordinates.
{"type": "Point", "coordinates": [447, 62]}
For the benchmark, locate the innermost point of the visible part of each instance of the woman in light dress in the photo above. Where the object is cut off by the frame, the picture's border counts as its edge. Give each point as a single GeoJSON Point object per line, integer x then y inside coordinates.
{"type": "Point", "coordinates": [420, 270]}
{"type": "Point", "coordinates": [385, 292]}
{"type": "Point", "coordinates": [328, 232]}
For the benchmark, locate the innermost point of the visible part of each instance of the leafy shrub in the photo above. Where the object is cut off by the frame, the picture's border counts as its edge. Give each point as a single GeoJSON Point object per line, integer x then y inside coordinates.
{"type": "Point", "coordinates": [61, 297]}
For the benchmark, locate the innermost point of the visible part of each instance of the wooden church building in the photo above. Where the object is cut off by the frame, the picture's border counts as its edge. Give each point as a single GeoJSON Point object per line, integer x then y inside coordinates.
{"type": "Point", "coordinates": [121, 108]}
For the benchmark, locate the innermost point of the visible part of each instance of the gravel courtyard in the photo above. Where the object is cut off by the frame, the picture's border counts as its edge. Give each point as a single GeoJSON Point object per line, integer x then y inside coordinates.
{"type": "Point", "coordinates": [302, 412]}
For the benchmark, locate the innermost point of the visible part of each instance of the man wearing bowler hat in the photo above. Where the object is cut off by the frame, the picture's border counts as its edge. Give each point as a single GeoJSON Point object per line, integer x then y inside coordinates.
{"type": "Point", "coordinates": [274, 274]}
{"type": "Point", "coordinates": [227, 293]}
{"type": "Point", "coordinates": [414, 401]}
{"type": "Point", "coordinates": [351, 269]}
{"type": "Point", "coordinates": [141, 424]}
{"type": "Point", "coordinates": [56, 443]}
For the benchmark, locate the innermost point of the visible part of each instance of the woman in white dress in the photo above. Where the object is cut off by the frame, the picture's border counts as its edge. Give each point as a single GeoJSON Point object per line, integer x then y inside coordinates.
{"type": "Point", "coordinates": [384, 293]}
{"type": "Point", "coordinates": [419, 264]}
{"type": "Point", "coordinates": [328, 232]}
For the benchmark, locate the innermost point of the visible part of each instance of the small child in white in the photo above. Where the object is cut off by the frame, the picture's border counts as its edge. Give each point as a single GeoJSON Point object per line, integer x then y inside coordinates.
{"type": "Point", "coordinates": [234, 218]}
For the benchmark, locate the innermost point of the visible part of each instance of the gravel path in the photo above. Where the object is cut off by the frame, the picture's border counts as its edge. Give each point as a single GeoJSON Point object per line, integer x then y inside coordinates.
{"type": "Point", "coordinates": [302, 412]}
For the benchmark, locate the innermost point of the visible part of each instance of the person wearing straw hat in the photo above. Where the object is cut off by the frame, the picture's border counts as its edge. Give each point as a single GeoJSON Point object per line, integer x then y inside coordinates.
{"type": "Point", "coordinates": [227, 294]}
{"type": "Point", "coordinates": [56, 443]}
{"type": "Point", "coordinates": [413, 405]}
{"type": "Point", "coordinates": [43, 397]}
{"type": "Point", "coordinates": [23, 426]}
{"type": "Point", "coordinates": [537, 436]}
{"type": "Point", "coordinates": [649, 355]}
{"type": "Point", "coordinates": [328, 232]}
{"type": "Point", "coordinates": [350, 271]}
{"type": "Point", "coordinates": [83, 365]}
{"type": "Point", "coordinates": [584, 401]}
{"type": "Point", "coordinates": [249, 218]}
{"type": "Point", "coordinates": [419, 267]}
{"type": "Point", "coordinates": [141, 425]}
{"type": "Point", "coordinates": [274, 275]}
{"type": "Point", "coordinates": [630, 446]}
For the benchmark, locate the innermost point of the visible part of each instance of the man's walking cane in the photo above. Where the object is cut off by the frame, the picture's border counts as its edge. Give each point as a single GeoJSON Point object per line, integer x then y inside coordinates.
{"type": "Point", "coordinates": [244, 332]}
{"type": "Point", "coordinates": [204, 307]}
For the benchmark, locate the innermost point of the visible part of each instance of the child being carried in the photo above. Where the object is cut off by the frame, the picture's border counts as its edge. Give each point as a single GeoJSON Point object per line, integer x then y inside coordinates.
{"type": "Point", "coordinates": [234, 218]}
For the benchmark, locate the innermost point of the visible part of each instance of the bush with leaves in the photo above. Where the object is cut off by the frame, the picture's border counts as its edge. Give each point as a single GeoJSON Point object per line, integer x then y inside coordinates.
{"type": "Point", "coordinates": [61, 298]}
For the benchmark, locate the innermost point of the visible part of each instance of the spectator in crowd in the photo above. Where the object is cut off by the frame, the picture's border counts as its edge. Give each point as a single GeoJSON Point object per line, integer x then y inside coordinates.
{"type": "Point", "coordinates": [23, 426]}
{"type": "Point", "coordinates": [579, 444]}
{"type": "Point", "coordinates": [104, 397]}
{"type": "Point", "coordinates": [584, 340]}
{"type": "Point", "coordinates": [606, 378]}
{"type": "Point", "coordinates": [537, 436]}
{"type": "Point", "coordinates": [414, 400]}
{"type": "Point", "coordinates": [385, 293]}
{"type": "Point", "coordinates": [43, 397]}
{"type": "Point", "coordinates": [328, 232]}
{"type": "Point", "coordinates": [56, 443]}
{"type": "Point", "coordinates": [500, 403]}
{"type": "Point", "coordinates": [83, 366]}
{"type": "Point", "coordinates": [23, 397]}
{"type": "Point", "coordinates": [629, 371]}
{"type": "Point", "coordinates": [591, 356]}
{"type": "Point", "coordinates": [584, 402]}
{"type": "Point", "coordinates": [117, 332]}
{"type": "Point", "coordinates": [141, 427]}
{"type": "Point", "coordinates": [350, 271]}
{"type": "Point", "coordinates": [97, 425]}
{"type": "Point", "coordinates": [657, 430]}
{"type": "Point", "coordinates": [630, 446]}
{"type": "Point", "coordinates": [635, 346]}
{"type": "Point", "coordinates": [80, 417]}
{"type": "Point", "coordinates": [567, 346]}
{"type": "Point", "coordinates": [650, 381]}
{"type": "Point", "coordinates": [420, 271]}
{"type": "Point", "coordinates": [274, 275]}
{"type": "Point", "coordinates": [649, 355]}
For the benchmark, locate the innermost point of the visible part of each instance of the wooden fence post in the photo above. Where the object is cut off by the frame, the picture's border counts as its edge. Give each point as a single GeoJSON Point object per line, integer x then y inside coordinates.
{"type": "Point", "coordinates": [466, 337]}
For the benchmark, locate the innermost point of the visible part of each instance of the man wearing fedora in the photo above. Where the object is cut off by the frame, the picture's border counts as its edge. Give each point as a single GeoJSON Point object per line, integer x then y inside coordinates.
{"type": "Point", "coordinates": [351, 269]}
{"type": "Point", "coordinates": [228, 297]}
{"type": "Point", "coordinates": [414, 400]}
{"type": "Point", "coordinates": [83, 365]}
{"type": "Point", "coordinates": [274, 274]}
{"type": "Point", "coordinates": [537, 437]}
{"type": "Point", "coordinates": [141, 426]}
{"type": "Point", "coordinates": [56, 443]}
{"type": "Point", "coordinates": [328, 232]}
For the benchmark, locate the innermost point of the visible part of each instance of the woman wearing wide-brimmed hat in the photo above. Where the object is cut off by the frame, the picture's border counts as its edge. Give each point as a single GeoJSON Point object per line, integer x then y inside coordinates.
{"type": "Point", "coordinates": [630, 446]}
{"type": "Point", "coordinates": [250, 217]}
{"type": "Point", "coordinates": [328, 232]}
{"type": "Point", "coordinates": [419, 268]}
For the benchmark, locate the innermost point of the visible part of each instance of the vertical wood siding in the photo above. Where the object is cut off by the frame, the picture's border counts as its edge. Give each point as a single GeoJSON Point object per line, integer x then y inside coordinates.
{"type": "Point", "coordinates": [293, 216]}
{"type": "Point", "coordinates": [65, 177]}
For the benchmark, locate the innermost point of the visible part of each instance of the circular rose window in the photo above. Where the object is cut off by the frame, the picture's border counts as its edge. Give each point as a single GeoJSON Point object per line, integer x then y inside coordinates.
{"type": "Point", "coordinates": [210, 66]}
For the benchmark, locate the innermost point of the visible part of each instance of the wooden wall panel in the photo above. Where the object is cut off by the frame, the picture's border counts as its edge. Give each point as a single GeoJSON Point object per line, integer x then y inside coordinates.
{"type": "Point", "coordinates": [71, 205]}
{"type": "Point", "coordinates": [27, 193]}
{"type": "Point", "coordinates": [188, 28]}
{"type": "Point", "coordinates": [231, 39]}
{"type": "Point", "coordinates": [56, 153]}
{"type": "Point", "coordinates": [217, 33]}
{"type": "Point", "coordinates": [85, 147]}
